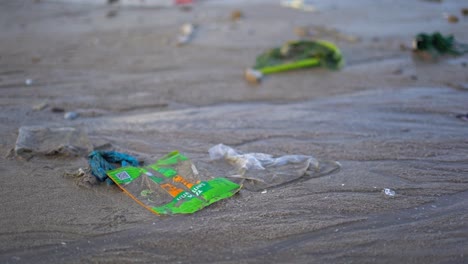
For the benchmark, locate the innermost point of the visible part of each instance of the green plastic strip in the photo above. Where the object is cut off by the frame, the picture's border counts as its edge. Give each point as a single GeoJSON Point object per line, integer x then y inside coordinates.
{"type": "Point", "coordinates": [291, 66]}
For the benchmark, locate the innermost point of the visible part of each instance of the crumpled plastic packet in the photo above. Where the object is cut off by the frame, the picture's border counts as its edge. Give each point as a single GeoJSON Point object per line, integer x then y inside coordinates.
{"type": "Point", "coordinates": [259, 171]}
{"type": "Point", "coordinates": [172, 185]}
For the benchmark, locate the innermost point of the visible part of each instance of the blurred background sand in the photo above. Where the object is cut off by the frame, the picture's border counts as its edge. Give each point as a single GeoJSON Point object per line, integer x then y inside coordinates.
{"type": "Point", "coordinates": [387, 117]}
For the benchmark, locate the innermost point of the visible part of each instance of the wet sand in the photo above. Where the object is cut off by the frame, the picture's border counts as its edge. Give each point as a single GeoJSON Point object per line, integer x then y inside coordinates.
{"type": "Point", "coordinates": [389, 119]}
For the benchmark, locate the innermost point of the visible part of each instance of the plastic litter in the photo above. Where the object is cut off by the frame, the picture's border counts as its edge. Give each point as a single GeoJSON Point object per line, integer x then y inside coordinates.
{"type": "Point", "coordinates": [187, 31]}
{"type": "Point", "coordinates": [389, 192]}
{"type": "Point", "coordinates": [28, 82]}
{"type": "Point", "coordinates": [260, 171]}
{"type": "Point", "coordinates": [101, 161]}
{"type": "Point", "coordinates": [172, 185]}
{"type": "Point", "coordinates": [296, 55]}
{"type": "Point", "coordinates": [71, 115]}
{"type": "Point", "coordinates": [299, 4]}
{"type": "Point", "coordinates": [40, 140]}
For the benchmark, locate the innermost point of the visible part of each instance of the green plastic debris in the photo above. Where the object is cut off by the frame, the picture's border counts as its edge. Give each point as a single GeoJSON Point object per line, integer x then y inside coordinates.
{"type": "Point", "coordinates": [436, 44]}
{"type": "Point", "coordinates": [172, 185]}
{"type": "Point", "coordinates": [296, 55]}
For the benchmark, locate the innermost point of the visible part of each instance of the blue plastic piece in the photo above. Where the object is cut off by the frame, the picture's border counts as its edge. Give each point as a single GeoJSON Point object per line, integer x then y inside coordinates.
{"type": "Point", "coordinates": [101, 161]}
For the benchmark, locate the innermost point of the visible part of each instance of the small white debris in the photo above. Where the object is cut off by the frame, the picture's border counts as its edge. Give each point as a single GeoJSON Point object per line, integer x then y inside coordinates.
{"type": "Point", "coordinates": [299, 4]}
{"type": "Point", "coordinates": [28, 82]}
{"type": "Point", "coordinates": [389, 192]}
{"type": "Point", "coordinates": [264, 191]}
{"type": "Point", "coordinates": [63, 243]}
{"type": "Point", "coordinates": [187, 31]}
{"type": "Point", "coordinates": [81, 172]}
{"type": "Point", "coordinates": [71, 115]}
{"type": "Point", "coordinates": [194, 170]}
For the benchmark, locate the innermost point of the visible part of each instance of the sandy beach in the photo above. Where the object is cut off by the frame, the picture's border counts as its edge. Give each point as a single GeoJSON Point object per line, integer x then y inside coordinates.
{"type": "Point", "coordinates": [389, 118]}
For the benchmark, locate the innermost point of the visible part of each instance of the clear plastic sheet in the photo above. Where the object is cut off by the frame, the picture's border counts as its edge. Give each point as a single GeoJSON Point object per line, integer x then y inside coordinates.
{"type": "Point", "coordinates": [40, 140]}
{"type": "Point", "coordinates": [259, 171]}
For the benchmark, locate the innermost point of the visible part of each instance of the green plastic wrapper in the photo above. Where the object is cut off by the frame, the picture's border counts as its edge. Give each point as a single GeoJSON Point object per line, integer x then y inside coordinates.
{"type": "Point", "coordinates": [172, 185]}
